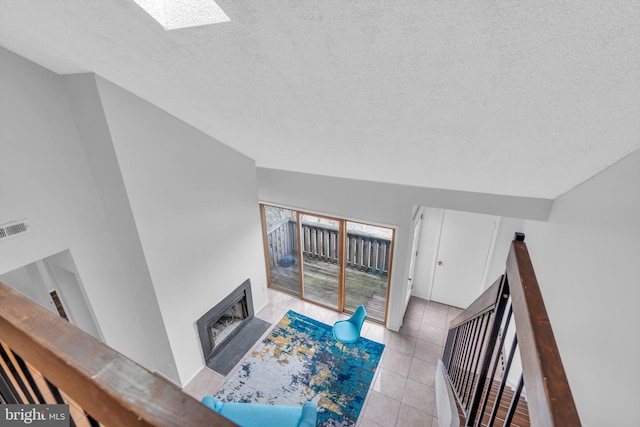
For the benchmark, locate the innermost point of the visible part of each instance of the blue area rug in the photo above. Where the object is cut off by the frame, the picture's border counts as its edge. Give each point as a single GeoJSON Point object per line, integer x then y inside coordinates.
{"type": "Point", "coordinates": [299, 361]}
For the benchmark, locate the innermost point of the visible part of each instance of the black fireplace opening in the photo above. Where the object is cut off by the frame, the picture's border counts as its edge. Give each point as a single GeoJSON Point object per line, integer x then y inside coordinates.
{"type": "Point", "coordinates": [220, 324]}
{"type": "Point", "coordinates": [218, 330]}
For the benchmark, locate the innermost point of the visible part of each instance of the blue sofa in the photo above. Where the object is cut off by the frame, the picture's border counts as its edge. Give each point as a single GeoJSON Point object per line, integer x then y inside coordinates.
{"type": "Point", "coordinates": [259, 415]}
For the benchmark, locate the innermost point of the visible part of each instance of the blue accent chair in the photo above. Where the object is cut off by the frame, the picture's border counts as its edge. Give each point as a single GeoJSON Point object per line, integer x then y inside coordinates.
{"type": "Point", "coordinates": [260, 415]}
{"type": "Point", "coordinates": [348, 331]}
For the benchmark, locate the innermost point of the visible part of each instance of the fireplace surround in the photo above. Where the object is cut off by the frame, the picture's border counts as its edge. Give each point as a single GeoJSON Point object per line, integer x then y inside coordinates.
{"type": "Point", "coordinates": [218, 326]}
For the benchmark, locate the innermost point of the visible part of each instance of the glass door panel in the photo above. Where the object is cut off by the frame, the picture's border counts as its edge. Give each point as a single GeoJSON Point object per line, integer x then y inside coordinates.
{"type": "Point", "coordinates": [367, 261]}
{"type": "Point", "coordinates": [320, 239]}
{"type": "Point", "coordinates": [282, 247]}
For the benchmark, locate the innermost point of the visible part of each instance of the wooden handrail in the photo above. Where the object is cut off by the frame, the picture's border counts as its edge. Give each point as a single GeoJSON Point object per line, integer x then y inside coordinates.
{"type": "Point", "coordinates": [110, 387]}
{"type": "Point", "coordinates": [477, 337]}
{"type": "Point", "coordinates": [548, 393]}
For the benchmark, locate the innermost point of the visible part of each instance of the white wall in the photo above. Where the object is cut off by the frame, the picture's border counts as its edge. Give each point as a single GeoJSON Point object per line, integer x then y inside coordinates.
{"type": "Point", "coordinates": [195, 204]}
{"type": "Point", "coordinates": [47, 179]}
{"type": "Point", "coordinates": [94, 132]}
{"type": "Point", "coordinates": [505, 233]}
{"type": "Point", "coordinates": [67, 282]}
{"type": "Point", "coordinates": [19, 280]}
{"type": "Point", "coordinates": [56, 272]}
{"type": "Point", "coordinates": [587, 261]}
{"type": "Point", "coordinates": [386, 204]}
{"type": "Point", "coordinates": [162, 221]}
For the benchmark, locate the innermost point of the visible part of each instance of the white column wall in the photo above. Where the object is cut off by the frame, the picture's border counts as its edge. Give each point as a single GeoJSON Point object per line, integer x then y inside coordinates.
{"type": "Point", "coordinates": [46, 178]}
{"type": "Point", "coordinates": [136, 283]}
{"type": "Point", "coordinates": [162, 221]}
{"type": "Point", "coordinates": [195, 204]}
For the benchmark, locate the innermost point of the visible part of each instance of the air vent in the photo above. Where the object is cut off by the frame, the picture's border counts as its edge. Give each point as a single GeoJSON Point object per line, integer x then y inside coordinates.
{"type": "Point", "coordinates": [11, 229]}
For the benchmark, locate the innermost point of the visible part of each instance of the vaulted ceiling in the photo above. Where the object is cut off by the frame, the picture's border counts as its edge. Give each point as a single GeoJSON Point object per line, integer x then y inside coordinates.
{"type": "Point", "coordinates": [526, 98]}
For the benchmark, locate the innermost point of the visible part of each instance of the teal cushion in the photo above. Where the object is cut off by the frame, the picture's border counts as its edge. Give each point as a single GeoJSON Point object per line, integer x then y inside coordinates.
{"type": "Point", "coordinates": [253, 414]}
{"type": "Point", "coordinates": [212, 403]}
{"type": "Point", "coordinates": [345, 331]}
{"type": "Point", "coordinates": [309, 416]}
{"type": "Point", "coordinates": [258, 415]}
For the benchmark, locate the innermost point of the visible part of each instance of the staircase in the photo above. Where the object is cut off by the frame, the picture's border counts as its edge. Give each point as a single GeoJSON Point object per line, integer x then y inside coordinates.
{"type": "Point", "coordinates": [520, 417]}
{"type": "Point", "coordinates": [501, 363]}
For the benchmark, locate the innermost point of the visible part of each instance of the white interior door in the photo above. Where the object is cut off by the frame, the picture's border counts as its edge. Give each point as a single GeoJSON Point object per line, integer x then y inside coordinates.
{"type": "Point", "coordinates": [463, 252]}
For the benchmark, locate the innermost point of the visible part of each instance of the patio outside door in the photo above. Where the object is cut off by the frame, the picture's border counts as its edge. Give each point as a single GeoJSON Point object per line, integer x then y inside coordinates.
{"type": "Point", "coordinates": [332, 262]}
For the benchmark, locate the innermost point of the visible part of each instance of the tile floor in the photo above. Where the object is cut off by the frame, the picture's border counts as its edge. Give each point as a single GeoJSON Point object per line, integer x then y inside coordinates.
{"type": "Point", "coordinates": [402, 392]}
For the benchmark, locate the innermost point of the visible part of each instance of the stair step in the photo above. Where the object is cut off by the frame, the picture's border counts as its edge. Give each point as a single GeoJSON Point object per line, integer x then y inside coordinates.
{"type": "Point", "coordinates": [520, 416]}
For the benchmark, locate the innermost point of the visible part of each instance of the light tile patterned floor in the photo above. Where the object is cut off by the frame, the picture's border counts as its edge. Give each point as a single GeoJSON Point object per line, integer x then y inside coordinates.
{"type": "Point", "coordinates": [402, 392]}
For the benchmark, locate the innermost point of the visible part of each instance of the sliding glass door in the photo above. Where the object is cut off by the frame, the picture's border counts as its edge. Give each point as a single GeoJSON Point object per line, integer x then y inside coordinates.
{"type": "Point", "coordinates": [320, 238]}
{"type": "Point", "coordinates": [333, 262]}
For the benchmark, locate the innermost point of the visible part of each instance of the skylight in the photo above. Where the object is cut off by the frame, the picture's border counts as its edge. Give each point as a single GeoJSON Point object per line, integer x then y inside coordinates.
{"type": "Point", "coordinates": [176, 14]}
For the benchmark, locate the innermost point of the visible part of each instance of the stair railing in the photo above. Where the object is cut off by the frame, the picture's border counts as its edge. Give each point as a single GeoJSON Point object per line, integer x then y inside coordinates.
{"type": "Point", "coordinates": [45, 360]}
{"type": "Point", "coordinates": [482, 352]}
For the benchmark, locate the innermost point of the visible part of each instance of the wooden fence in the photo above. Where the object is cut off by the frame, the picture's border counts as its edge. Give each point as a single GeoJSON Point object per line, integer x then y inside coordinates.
{"type": "Point", "coordinates": [363, 251]}
{"type": "Point", "coordinates": [282, 241]}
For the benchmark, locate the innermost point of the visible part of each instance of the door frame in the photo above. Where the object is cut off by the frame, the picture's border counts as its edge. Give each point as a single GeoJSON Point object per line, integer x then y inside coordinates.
{"type": "Point", "coordinates": [417, 230]}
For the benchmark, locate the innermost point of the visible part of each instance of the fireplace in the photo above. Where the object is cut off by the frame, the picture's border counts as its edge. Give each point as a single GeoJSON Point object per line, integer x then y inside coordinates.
{"type": "Point", "coordinates": [219, 325]}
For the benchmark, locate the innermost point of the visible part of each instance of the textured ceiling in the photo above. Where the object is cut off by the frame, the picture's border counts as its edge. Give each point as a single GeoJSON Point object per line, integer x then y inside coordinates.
{"type": "Point", "coordinates": [525, 98]}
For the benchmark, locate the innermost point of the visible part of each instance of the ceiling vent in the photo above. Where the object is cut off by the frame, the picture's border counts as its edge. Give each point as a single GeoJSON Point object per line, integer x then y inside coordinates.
{"type": "Point", "coordinates": [11, 229]}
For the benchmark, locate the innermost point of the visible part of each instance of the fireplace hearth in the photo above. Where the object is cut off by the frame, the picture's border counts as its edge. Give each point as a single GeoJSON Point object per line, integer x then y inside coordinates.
{"type": "Point", "coordinates": [219, 325]}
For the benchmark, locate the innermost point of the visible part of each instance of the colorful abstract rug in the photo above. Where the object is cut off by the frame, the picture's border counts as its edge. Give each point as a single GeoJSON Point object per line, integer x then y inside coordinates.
{"type": "Point", "coordinates": [299, 361]}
